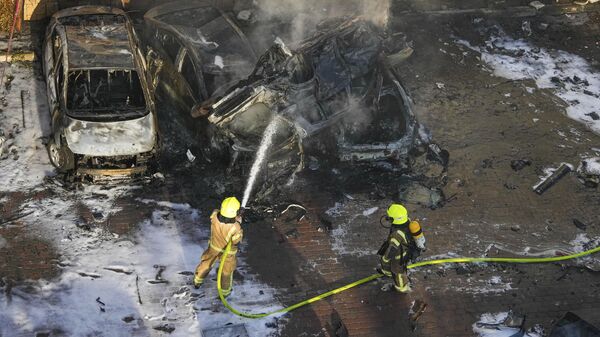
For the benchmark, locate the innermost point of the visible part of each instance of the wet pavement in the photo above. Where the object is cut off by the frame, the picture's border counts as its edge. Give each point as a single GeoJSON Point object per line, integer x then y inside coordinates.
{"type": "Point", "coordinates": [57, 242]}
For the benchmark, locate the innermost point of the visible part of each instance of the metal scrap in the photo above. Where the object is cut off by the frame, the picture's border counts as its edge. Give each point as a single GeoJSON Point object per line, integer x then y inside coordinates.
{"type": "Point", "coordinates": [572, 325]}
{"type": "Point", "coordinates": [548, 182]}
{"type": "Point", "coordinates": [298, 217]}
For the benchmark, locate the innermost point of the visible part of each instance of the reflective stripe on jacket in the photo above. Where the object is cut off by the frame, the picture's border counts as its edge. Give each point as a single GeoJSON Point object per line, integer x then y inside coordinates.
{"type": "Point", "coordinates": [221, 233]}
{"type": "Point", "coordinates": [397, 247]}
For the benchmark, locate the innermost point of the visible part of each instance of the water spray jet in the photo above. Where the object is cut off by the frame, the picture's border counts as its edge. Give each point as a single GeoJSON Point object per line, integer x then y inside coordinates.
{"type": "Point", "coordinates": [261, 154]}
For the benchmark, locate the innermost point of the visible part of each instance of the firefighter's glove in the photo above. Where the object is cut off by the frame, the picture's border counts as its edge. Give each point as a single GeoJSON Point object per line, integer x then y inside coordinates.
{"type": "Point", "coordinates": [420, 241]}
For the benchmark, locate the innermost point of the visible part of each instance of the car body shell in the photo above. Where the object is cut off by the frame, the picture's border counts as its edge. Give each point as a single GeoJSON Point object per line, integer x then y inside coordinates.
{"type": "Point", "coordinates": [212, 114]}
{"type": "Point", "coordinates": [79, 41]}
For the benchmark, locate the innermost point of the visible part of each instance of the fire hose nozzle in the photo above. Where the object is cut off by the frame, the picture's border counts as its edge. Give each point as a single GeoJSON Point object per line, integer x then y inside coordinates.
{"type": "Point", "coordinates": [241, 211]}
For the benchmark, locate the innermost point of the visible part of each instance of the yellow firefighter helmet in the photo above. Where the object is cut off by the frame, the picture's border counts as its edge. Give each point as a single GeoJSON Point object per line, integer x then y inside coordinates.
{"type": "Point", "coordinates": [398, 214]}
{"type": "Point", "coordinates": [230, 207]}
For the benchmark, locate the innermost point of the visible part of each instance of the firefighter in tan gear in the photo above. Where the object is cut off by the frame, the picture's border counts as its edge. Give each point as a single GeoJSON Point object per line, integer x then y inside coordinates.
{"type": "Point", "coordinates": [404, 243]}
{"type": "Point", "coordinates": [224, 227]}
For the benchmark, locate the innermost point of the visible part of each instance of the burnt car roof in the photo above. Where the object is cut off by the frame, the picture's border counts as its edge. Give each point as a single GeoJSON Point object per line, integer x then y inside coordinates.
{"type": "Point", "coordinates": [87, 10]}
{"type": "Point", "coordinates": [178, 6]}
{"type": "Point", "coordinates": [99, 47]}
{"type": "Point", "coordinates": [97, 37]}
{"type": "Point", "coordinates": [340, 72]}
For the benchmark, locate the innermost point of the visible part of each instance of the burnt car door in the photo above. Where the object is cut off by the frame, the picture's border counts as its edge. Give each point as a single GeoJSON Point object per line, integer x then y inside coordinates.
{"type": "Point", "coordinates": [198, 49]}
{"type": "Point", "coordinates": [55, 73]}
{"type": "Point", "coordinates": [52, 61]}
{"type": "Point", "coordinates": [165, 62]}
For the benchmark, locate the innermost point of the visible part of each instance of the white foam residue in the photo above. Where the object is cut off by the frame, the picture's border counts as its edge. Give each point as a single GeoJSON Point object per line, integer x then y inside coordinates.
{"type": "Point", "coordinates": [491, 325]}
{"type": "Point", "coordinates": [483, 329]}
{"type": "Point", "coordinates": [97, 289]}
{"type": "Point", "coordinates": [494, 285]}
{"type": "Point", "coordinates": [580, 242]}
{"type": "Point", "coordinates": [343, 235]}
{"type": "Point", "coordinates": [370, 211]}
{"type": "Point", "coordinates": [340, 245]}
{"type": "Point", "coordinates": [592, 165]}
{"type": "Point", "coordinates": [495, 280]}
{"type": "Point", "coordinates": [336, 210]}
{"type": "Point", "coordinates": [569, 75]}
{"type": "Point", "coordinates": [25, 162]}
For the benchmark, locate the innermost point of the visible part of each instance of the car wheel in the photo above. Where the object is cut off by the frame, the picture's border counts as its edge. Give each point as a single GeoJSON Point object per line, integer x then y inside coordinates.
{"type": "Point", "coordinates": [60, 156]}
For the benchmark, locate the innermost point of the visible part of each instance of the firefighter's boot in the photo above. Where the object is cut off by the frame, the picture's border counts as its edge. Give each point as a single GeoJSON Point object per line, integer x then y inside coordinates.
{"type": "Point", "coordinates": [198, 281]}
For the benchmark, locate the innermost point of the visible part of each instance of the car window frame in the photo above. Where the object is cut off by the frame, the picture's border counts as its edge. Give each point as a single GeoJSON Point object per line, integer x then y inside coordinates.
{"type": "Point", "coordinates": [160, 32]}
{"type": "Point", "coordinates": [183, 52]}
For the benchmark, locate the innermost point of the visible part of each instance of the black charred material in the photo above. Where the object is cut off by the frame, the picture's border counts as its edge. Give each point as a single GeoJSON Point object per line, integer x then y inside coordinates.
{"type": "Point", "coordinates": [168, 328]}
{"type": "Point", "coordinates": [579, 224]}
{"type": "Point", "coordinates": [572, 325]}
{"type": "Point", "coordinates": [519, 164]}
{"type": "Point", "coordinates": [335, 96]}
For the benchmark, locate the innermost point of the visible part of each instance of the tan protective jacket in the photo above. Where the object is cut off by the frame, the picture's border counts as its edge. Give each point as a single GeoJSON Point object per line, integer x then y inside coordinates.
{"type": "Point", "coordinates": [221, 233]}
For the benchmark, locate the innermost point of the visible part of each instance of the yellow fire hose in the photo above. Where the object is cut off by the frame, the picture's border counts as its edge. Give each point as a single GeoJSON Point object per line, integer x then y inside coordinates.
{"type": "Point", "coordinates": [376, 276]}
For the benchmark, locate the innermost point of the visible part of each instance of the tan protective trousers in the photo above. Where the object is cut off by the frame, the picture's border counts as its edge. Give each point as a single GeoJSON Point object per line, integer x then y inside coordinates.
{"type": "Point", "coordinates": [400, 282]}
{"type": "Point", "coordinates": [208, 259]}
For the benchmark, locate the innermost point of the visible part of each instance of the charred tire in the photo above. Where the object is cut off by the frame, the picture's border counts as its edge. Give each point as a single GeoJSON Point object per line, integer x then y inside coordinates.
{"type": "Point", "coordinates": [60, 156]}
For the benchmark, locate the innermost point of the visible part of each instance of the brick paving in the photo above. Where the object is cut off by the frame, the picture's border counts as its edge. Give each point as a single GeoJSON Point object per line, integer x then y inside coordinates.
{"type": "Point", "coordinates": [304, 258]}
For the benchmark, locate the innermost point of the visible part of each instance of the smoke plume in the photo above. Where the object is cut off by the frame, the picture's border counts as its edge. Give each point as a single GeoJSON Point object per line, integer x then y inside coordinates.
{"type": "Point", "coordinates": [303, 16]}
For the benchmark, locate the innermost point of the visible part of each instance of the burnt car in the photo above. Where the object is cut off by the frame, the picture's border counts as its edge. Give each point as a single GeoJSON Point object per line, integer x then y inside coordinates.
{"type": "Point", "coordinates": [338, 94]}
{"type": "Point", "coordinates": [195, 50]}
{"type": "Point", "coordinates": [103, 114]}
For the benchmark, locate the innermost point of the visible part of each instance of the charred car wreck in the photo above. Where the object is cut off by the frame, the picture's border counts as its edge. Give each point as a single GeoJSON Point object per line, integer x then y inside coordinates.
{"type": "Point", "coordinates": [195, 50]}
{"type": "Point", "coordinates": [337, 94]}
{"type": "Point", "coordinates": [103, 117]}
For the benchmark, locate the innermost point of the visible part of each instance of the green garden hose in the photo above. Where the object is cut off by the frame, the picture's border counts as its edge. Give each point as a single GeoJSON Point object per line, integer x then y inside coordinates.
{"type": "Point", "coordinates": [376, 276]}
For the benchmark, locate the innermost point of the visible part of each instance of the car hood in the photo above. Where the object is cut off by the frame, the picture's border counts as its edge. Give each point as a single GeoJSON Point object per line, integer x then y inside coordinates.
{"type": "Point", "coordinates": [117, 138]}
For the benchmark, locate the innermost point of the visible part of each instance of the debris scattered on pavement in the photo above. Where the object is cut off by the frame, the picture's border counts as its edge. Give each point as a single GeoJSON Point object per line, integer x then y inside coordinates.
{"type": "Point", "coordinates": [244, 15]}
{"type": "Point", "coordinates": [190, 156]}
{"type": "Point", "coordinates": [579, 224]}
{"type": "Point", "coordinates": [15, 217]}
{"type": "Point", "coordinates": [416, 193]}
{"type": "Point", "coordinates": [554, 176]}
{"type": "Point", "coordinates": [238, 330]}
{"type": "Point", "coordinates": [536, 4]}
{"type": "Point", "coordinates": [298, 214]}
{"type": "Point", "coordinates": [387, 287]}
{"type": "Point", "coordinates": [518, 59]}
{"type": "Point", "coordinates": [593, 115]}
{"type": "Point", "coordinates": [504, 324]}
{"type": "Point", "coordinates": [341, 330]}
{"type": "Point", "coordinates": [159, 270]}
{"type": "Point", "coordinates": [519, 164]}
{"type": "Point", "coordinates": [588, 172]}
{"type": "Point", "coordinates": [137, 287]}
{"type": "Point", "coordinates": [572, 325]}
{"type": "Point", "coordinates": [526, 27]}
{"type": "Point", "coordinates": [416, 310]}
{"type": "Point", "coordinates": [120, 269]}
{"type": "Point", "coordinates": [292, 233]}
{"type": "Point", "coordinates": [87, 274]}
{"type": "Point", "coordinates": [101, 304]}
{"type": "Point", "coordinates": [370, 211]}
{"type": "Point", "coordinates": [168, 328]}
